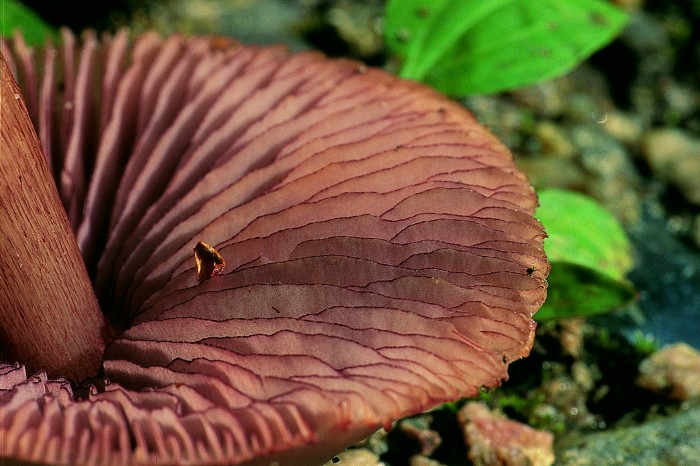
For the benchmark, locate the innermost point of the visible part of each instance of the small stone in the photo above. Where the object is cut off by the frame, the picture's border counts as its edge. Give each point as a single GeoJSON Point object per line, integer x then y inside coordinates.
{"type": "Point", "coordinates": [583, 376]}
{"type": "Point", "coordinates": [420, 460]}
{"type": "Point", "coordinates": [355, 457]}
{"type": "Point", "coordinates": [571, 336]}
{"type": "Point", "coordinates": [569, 397]}
{"type": "Point", "coordinates": [610, 171]}
{"type": "Point", "coordinates": [649, 39]}
{"type": "Point", "coordinates": [682, 101]}
{"type": "Point", "coordinates": [376, 443]}
{"type": "Point", "coordinates": [358, 27]}
{"type": "Point", "coordinates": [601, 154]}
{"type": "Point", "coordinates": [418, 430]}
{"type": "Point", "coordinates": [582, 109]}
{"type": "Point", "coordinates": [553, 140]}
{"type": "Point", "coordinates": [673, 371]}
{"type": "Point", "coordinates": [495, 440]}
{"type": "Point", "coordinates": [623, 127]}
{"type": "Point", "coordinates": [543, 98]}
{"type": "Point", "coordinates": [675, 156]}
{"type": "Point", "coordinates": [509, 122]}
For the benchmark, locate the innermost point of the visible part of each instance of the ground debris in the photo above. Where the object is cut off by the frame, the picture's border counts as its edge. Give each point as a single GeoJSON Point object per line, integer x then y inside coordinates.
{"type": "Point", "coordinates": [493, 439]}
{"type": "Point", "coordinates": [673, 371]}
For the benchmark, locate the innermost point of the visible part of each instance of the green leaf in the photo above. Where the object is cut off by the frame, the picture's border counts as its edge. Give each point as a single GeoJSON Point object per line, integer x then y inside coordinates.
{"type": "Point", "coordinates": [583, 233]}
{"type": "Point", "coordinates": [590, 256]}
{"type": "Point", "coordinates": [578, 291]}
{"type": "Point", "coordinates": [16, 16]}
{"type": "Point", "coordinates": [484, 46]}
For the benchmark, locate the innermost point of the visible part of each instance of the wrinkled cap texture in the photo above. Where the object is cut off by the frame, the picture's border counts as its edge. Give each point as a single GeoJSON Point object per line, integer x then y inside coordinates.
{"type": "Point", "coordinates": [381, 255]}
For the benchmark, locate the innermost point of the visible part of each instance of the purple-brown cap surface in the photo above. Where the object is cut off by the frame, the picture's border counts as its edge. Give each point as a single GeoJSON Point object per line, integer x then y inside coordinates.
{"type": "Point", "coordinates": [379, 250]}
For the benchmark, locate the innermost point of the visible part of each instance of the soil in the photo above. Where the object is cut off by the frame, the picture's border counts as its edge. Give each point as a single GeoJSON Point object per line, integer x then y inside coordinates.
{"type": "Point", "coordinates": [624, 128]}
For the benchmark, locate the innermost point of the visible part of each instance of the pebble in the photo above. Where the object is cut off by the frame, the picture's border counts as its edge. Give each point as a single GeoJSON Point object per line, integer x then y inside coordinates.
{"type": "Point", "coordinates": [546, 98]}
{"type": "Point", "coordinates": [583, 376]}
{"type": "Point", "coordinates": [582, 108]}
{"type": "Point", "coordinates": [418, 429]}
{"type": "Point", "coordinates": [571, 336]}
{"type": "Point", "coordinates": [673, 371]}
{"type": "Point", "coordinates": [496, 440]}
{"type": "Point", "coordinates": [611, 174]}
{"type": "Point", "coordinates": [675, 156]}
{"type": "Point", "coordinates": [681, 101]}
{"type": "Point", "coordinates": [646, 36]}
{"type": "Point", "coordinates": [355, 457]}
{"type": "Point", "coordinates": [569, 397]}
{"type": "Point", "coordinates": [622, 126]}
{"type": "Point", "coordinates": [553, 140]}
{"type": "Point", "coordinates": [601, 154]}
{"type": "Point", "coordinates": [358, 25]}
{"type": "Point", "coordinates": [420, 460]}
{"type": "Point", "coordinates": [509, 122]}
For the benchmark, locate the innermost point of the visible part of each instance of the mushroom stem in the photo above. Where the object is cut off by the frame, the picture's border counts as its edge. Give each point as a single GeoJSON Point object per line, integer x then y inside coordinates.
{"type": "Point", "coordinates": [49, 316]}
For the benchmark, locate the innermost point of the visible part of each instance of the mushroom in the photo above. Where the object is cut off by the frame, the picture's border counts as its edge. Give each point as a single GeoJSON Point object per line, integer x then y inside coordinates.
{"type": "Point", "coordinates": [374, 248]}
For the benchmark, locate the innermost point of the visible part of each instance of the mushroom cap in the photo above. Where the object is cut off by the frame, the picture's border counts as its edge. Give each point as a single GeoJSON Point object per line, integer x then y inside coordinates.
{"type": "Point", "coordinates": [379, 247]}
